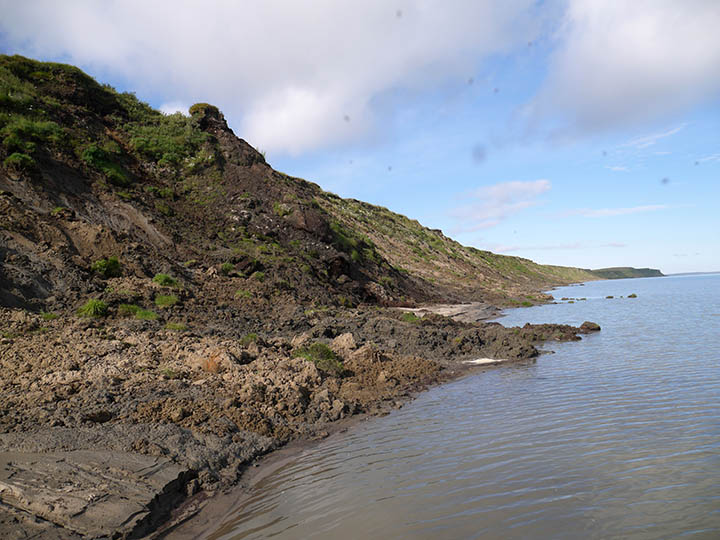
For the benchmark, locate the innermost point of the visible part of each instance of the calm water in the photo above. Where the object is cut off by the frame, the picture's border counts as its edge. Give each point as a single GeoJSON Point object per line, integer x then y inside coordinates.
{"type": "Point", "coordinates": [616, 436]}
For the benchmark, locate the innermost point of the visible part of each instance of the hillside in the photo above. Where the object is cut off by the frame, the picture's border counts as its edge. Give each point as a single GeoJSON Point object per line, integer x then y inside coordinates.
{"type": "Point", "coordinates": [89, 173]}
{"type": "Point", "coordinates": [624, 272]}
{"type": "Point", "coordinates": [172, 308]}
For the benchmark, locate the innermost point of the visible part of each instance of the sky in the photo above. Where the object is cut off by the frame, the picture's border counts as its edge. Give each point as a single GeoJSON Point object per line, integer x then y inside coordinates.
{"type": "Point", "coordinates": [574, 132]}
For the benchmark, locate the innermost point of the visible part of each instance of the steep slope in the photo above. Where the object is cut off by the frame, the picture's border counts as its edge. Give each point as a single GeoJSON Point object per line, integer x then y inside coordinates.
{"type": "Point", "coordinates": [89, 173]}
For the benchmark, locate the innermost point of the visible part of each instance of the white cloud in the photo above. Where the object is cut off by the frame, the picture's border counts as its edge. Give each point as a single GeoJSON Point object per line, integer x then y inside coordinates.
{"type": "Point", "coordinates": [495, 203]}
{"type": "Point", "coordinates": [619, 64]}
{"type": "Point", "coordinates": [617, 168]}
{"type": "Point", "coordinates": [649, 140]}
{"type": "Point", "coordinates": [713, 157]}
{"type": "Point", "coordinates": [610, 212]}
{"type": "Point", "coordinates": [286, 73]}
{"type": "Point", "coordinates": [174, 107]}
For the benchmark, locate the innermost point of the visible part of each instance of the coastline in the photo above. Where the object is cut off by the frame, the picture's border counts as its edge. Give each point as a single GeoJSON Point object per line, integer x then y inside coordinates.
{"type": "Point", "coordinates": [170, 436]}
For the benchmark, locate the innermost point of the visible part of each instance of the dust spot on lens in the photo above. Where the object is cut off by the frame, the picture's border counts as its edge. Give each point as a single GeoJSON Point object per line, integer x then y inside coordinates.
{"type": "Point", "coordinates": [389, 168]}
{"type": "Point", "coordinates": [665, 181]}
{"type": "Point", "coordinates": [398, 13]}
{"type": "Point", "coordinates": [346, 118]}
{"type": "Point", "coordinates": [479, 154]}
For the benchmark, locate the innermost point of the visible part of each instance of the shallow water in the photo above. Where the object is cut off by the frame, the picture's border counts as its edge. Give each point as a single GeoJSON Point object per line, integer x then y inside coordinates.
{"type": "Point", "coordinates": [616, 436]}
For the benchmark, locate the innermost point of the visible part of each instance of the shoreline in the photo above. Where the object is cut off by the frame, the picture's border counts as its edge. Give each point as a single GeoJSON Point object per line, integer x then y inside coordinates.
{"type": "Point", "coordinates": [195, 516]}
{"type": "Point", "coordinates": [176, 453]}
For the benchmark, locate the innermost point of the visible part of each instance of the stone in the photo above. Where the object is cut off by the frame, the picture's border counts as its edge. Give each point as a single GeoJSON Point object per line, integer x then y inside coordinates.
{"type": "Point", "coordinates": [588, 326]}
{"type": "Point", "coordinates": [343, 344]}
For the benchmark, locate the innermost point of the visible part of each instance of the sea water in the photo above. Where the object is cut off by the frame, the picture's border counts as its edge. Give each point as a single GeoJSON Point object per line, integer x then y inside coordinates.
{"type": "Point", "coordinates": [615, 436]}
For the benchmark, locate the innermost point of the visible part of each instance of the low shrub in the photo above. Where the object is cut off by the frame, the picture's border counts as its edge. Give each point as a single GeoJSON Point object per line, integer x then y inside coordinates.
{"type": "Point", "coordinates": [102, 160]}
{"type": "Point", "coordinates": [49, 316]}
{"type": "Point", "coordinates": [19, 162]}
{"type": "Point", "coordinates": [323, 357]}
{"type": "Point", "coordinates": [94, 309]}
{"type": "Point", "coordinates": [107, 268]}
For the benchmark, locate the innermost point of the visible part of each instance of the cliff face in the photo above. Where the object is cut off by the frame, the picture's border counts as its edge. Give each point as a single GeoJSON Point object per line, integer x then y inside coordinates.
{"type": "Point", "coordinates": [89, 174]}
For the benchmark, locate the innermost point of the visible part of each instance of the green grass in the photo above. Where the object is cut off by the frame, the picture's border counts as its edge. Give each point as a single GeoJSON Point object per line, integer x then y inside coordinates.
{"type": "Point", "coordinates": [176, 327]}
{"type": "Point", "coordinates": [105, 162]}
{"type": "Point", "coordinates": [166, 140]}
{"type": "Point", "coordinates": [19, 162]}
{"type": "Point", "coordinates": [323, 357]}
{"type": "Point", "coordinates": [226, 268]}
{"type": "Point", "coordinates": [107, 268]}
{"type": "Point", "coordinates": [359, 247]}
{"type": "Point", "coordinates": [165, 280]}
{"type": "Point", "coordinates": [146, 315]}
{"type": "Point", "coordinates": [93, 309]}
{"type": "Point", "coordinates": [281, 209]}
{"type": "Point", "coordinates": [49, 316]}
{"type": "Point", "coordinates": [166, 300]}
{"type": "Point", "coordinates": [242, 293]}
{"type": "Point", "coordinates": [248, 339]}
{"type": "Point", "coordinates": [409, 316]}
{"type": "Point", "coordinates": [131, 310]}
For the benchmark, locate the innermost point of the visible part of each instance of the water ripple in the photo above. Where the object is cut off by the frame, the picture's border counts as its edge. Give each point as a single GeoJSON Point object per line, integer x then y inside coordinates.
{"type": "Point", "coordinates": [616, 436]}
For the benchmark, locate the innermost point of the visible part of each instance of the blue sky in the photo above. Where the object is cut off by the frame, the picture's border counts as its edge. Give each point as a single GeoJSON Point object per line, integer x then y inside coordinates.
{"type": "Point", "coordinates": [575, 132]}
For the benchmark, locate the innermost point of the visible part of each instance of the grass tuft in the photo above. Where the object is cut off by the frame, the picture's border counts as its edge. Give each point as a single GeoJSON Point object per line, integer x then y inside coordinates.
{"type": "Point", "coordinates": [166, 300]}
{"type": "Point", "coordinates": [323, 357]}
{"type": "Point", "coordinates": [93, 309]}
{"type": "Point", "coordinates": [165, 280]}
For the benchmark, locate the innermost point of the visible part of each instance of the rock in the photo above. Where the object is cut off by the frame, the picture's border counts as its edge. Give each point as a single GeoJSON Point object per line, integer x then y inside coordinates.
{"type": "Point", "coordinates": [588, 326]}
{"type": "Point", "coordinates": [300, 340]}
{"type": "Point", "coordinates": [178, 414]}
{"type": "Point", "coordinates": [343, 344]}
{"type": "Point", "coordinates": [322, 396]}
